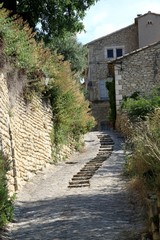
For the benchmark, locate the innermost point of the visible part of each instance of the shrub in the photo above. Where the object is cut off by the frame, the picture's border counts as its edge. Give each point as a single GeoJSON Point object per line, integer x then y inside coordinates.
{"type": "Point", "coordinates": [70, 110]}
{"type": "Point", "coordinates": [145, 159]}
{"type": "Point", "coordinates": [6, 202]}
{"type": "Point", "coordinates": [138, 107]}
{"type": "Point", "coordinates": [69, 107]}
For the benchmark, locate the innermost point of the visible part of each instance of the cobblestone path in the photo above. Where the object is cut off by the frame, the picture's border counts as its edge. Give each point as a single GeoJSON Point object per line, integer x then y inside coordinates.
{"type": "Point", "coordinates": [47, 209]}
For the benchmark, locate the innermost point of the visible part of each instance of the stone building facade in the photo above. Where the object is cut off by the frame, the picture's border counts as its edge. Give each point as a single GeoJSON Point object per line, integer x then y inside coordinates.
{"type": "Point", "coordinates": [138, 71]}
{"type": "Point", "coordinates": [144, 31]}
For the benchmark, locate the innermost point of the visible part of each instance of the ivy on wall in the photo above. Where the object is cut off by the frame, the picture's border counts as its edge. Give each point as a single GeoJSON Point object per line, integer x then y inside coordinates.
{"type": "Point", "coordinates": [111, 92]}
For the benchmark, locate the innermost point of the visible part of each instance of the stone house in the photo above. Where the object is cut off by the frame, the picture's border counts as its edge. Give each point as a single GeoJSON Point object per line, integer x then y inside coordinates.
{"type": "Point", "coordinates": [131, 39]}
{"type": "Point", "coordinates": [138, 71]}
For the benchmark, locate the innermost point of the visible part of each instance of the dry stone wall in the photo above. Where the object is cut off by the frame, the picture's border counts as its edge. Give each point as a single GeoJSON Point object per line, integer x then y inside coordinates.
{"type": "Point", "coordinates": [138, 71]}
{"type": "Point", "coordinates": [25, 129]}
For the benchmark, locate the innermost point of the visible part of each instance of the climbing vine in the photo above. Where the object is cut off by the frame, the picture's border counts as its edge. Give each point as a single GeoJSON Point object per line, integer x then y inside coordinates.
{"type": "Point", "coordinates": [111, 90]}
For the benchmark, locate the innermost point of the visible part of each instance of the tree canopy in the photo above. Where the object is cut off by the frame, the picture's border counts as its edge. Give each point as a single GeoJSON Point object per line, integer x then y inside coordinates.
{"type": "Point", "coordinates": [55, 17]}
{"type": "Point", "coordinates": [72, 50]}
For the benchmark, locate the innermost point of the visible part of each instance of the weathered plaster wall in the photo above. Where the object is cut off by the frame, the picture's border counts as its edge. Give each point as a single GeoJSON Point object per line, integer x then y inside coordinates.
{"type": "Point", "coordinates": [148, 28]}
{"type": "Point", "coordinates": [139, 71]}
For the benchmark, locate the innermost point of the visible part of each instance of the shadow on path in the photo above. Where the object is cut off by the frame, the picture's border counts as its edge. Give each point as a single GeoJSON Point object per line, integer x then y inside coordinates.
{"type": "Point", "coordinates": [103, 211]}
{"type": "Point", "coordinates": [77, 217]}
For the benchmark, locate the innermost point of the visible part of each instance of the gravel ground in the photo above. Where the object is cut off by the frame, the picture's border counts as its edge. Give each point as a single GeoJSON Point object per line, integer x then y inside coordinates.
{"type": "Point", "coordinates": [47, 209]}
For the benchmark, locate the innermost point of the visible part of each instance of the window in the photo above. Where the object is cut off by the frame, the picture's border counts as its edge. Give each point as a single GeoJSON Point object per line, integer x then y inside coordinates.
{"type": "Point", "coordinates": [119, 52]}
{"type": "Point", "coordinates": [111, 53]}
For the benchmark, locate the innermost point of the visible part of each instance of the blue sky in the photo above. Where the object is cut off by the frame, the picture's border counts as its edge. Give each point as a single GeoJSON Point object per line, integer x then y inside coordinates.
{"type": "Point", "coordinates": [107, 16]}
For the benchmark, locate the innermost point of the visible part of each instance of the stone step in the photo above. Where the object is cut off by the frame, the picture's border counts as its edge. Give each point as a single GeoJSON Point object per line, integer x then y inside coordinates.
{"type": "Point", "coordinates": [103, 157]}
{"type": "Point", "coordinates": [108, 151]}
{"type": "Point", "coordinates": [83, 175]}
{"type": "Point", "coordinates": [89, 170]}
{"type": "Point", "coordinates": [91, 166]}
{"type": "Point", "coordinates": [79, 185]}
{"type": "Point", "coordinates": [107, 146]}
{"type": "Point", "coordinates": [80, 178]}
{"type": "Point", "coordinates": [100, 158]}
{"type": "Point", "coordinates": [105, 138]}
{"type": "Point", "coordinates": [97, 163]}
{"type": "Point", "coordinates": [84, 181]}
{"type": "Point", "coordinates": [94, 164]}
{"type": "Point", "coordinates": [103, 135]}
{"type": "Point", "coordinates": [106, 143]}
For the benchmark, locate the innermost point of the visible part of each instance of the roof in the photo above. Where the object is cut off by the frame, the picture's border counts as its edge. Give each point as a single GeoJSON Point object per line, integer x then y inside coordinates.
{"type": "Point", "coordinates": [119, 59]}
{"type": "Point", "coordinates": [149, 12]}
{"type": "Point", "coordinates": [109, 34]}
{"type": "Point", "coordinates": [138, 17]}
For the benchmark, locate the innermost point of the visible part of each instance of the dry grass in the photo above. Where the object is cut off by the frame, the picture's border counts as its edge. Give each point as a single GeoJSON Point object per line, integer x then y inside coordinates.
{"type": "Point", "coordinates": [137, 187]}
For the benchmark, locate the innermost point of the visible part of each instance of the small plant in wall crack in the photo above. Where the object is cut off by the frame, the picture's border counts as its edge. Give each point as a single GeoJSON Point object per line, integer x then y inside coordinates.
{"type": "Point", "coordinates": [11, 112]}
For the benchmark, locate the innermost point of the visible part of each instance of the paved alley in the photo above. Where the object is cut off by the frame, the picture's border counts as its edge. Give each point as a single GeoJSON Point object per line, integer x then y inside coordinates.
{"type": "Point", "coordinates": [47, 209]}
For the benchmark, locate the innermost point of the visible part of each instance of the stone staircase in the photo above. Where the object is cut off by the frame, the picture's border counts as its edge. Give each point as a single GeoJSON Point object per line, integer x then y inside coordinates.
{"type": "Point", "coordinates": [82, 178]}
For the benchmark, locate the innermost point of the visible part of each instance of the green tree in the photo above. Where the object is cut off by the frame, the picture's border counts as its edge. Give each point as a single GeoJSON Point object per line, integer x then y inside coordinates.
{"type": "Point", "coordinates": [72, 50]}
{"type": "Point", "coordinates": [54, 16]}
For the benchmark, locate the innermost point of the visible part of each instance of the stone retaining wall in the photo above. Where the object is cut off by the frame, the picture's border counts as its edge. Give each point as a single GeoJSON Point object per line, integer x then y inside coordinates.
{"type": "Point", "coordinates": [25, 129]}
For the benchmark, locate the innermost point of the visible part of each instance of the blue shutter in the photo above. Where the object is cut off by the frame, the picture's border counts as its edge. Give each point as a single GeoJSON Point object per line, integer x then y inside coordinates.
{"type": "Point", "coordinates": [103, 90]}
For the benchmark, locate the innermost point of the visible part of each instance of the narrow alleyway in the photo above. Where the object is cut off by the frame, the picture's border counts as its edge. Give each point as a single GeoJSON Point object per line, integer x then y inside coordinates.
{"type": "Point", "coordinates": [48, 208]}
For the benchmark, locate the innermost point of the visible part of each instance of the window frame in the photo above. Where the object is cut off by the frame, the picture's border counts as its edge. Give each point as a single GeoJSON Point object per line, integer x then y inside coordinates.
{"type": "Point", "coordinates": [114, 48]}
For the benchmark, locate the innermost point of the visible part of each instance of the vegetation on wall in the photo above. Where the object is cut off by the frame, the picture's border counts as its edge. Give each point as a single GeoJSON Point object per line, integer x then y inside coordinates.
{"type": "Point", "coordinates": [140, 111]}
{"type": "Point", "coordinates": [142, 116]}
{"type": "Point", "coordinates": [138, 107]}
{"type": "Point", "coordinates": [48, 75]}
{"type": "Point", "coordinates": [144, 162]}
{"type": "Point", "coordinates": [6, 202]}
{"type": "Point", "coordinates": [140, 122]}
{"type": "Point", "coordinates": [111, 92]}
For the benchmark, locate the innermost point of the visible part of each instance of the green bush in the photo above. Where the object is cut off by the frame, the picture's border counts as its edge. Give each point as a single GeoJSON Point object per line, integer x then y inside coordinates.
{"type": "Point", "coordinates": [138, 108]}
{"type": "Point", "coordinates": [6, 202]}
